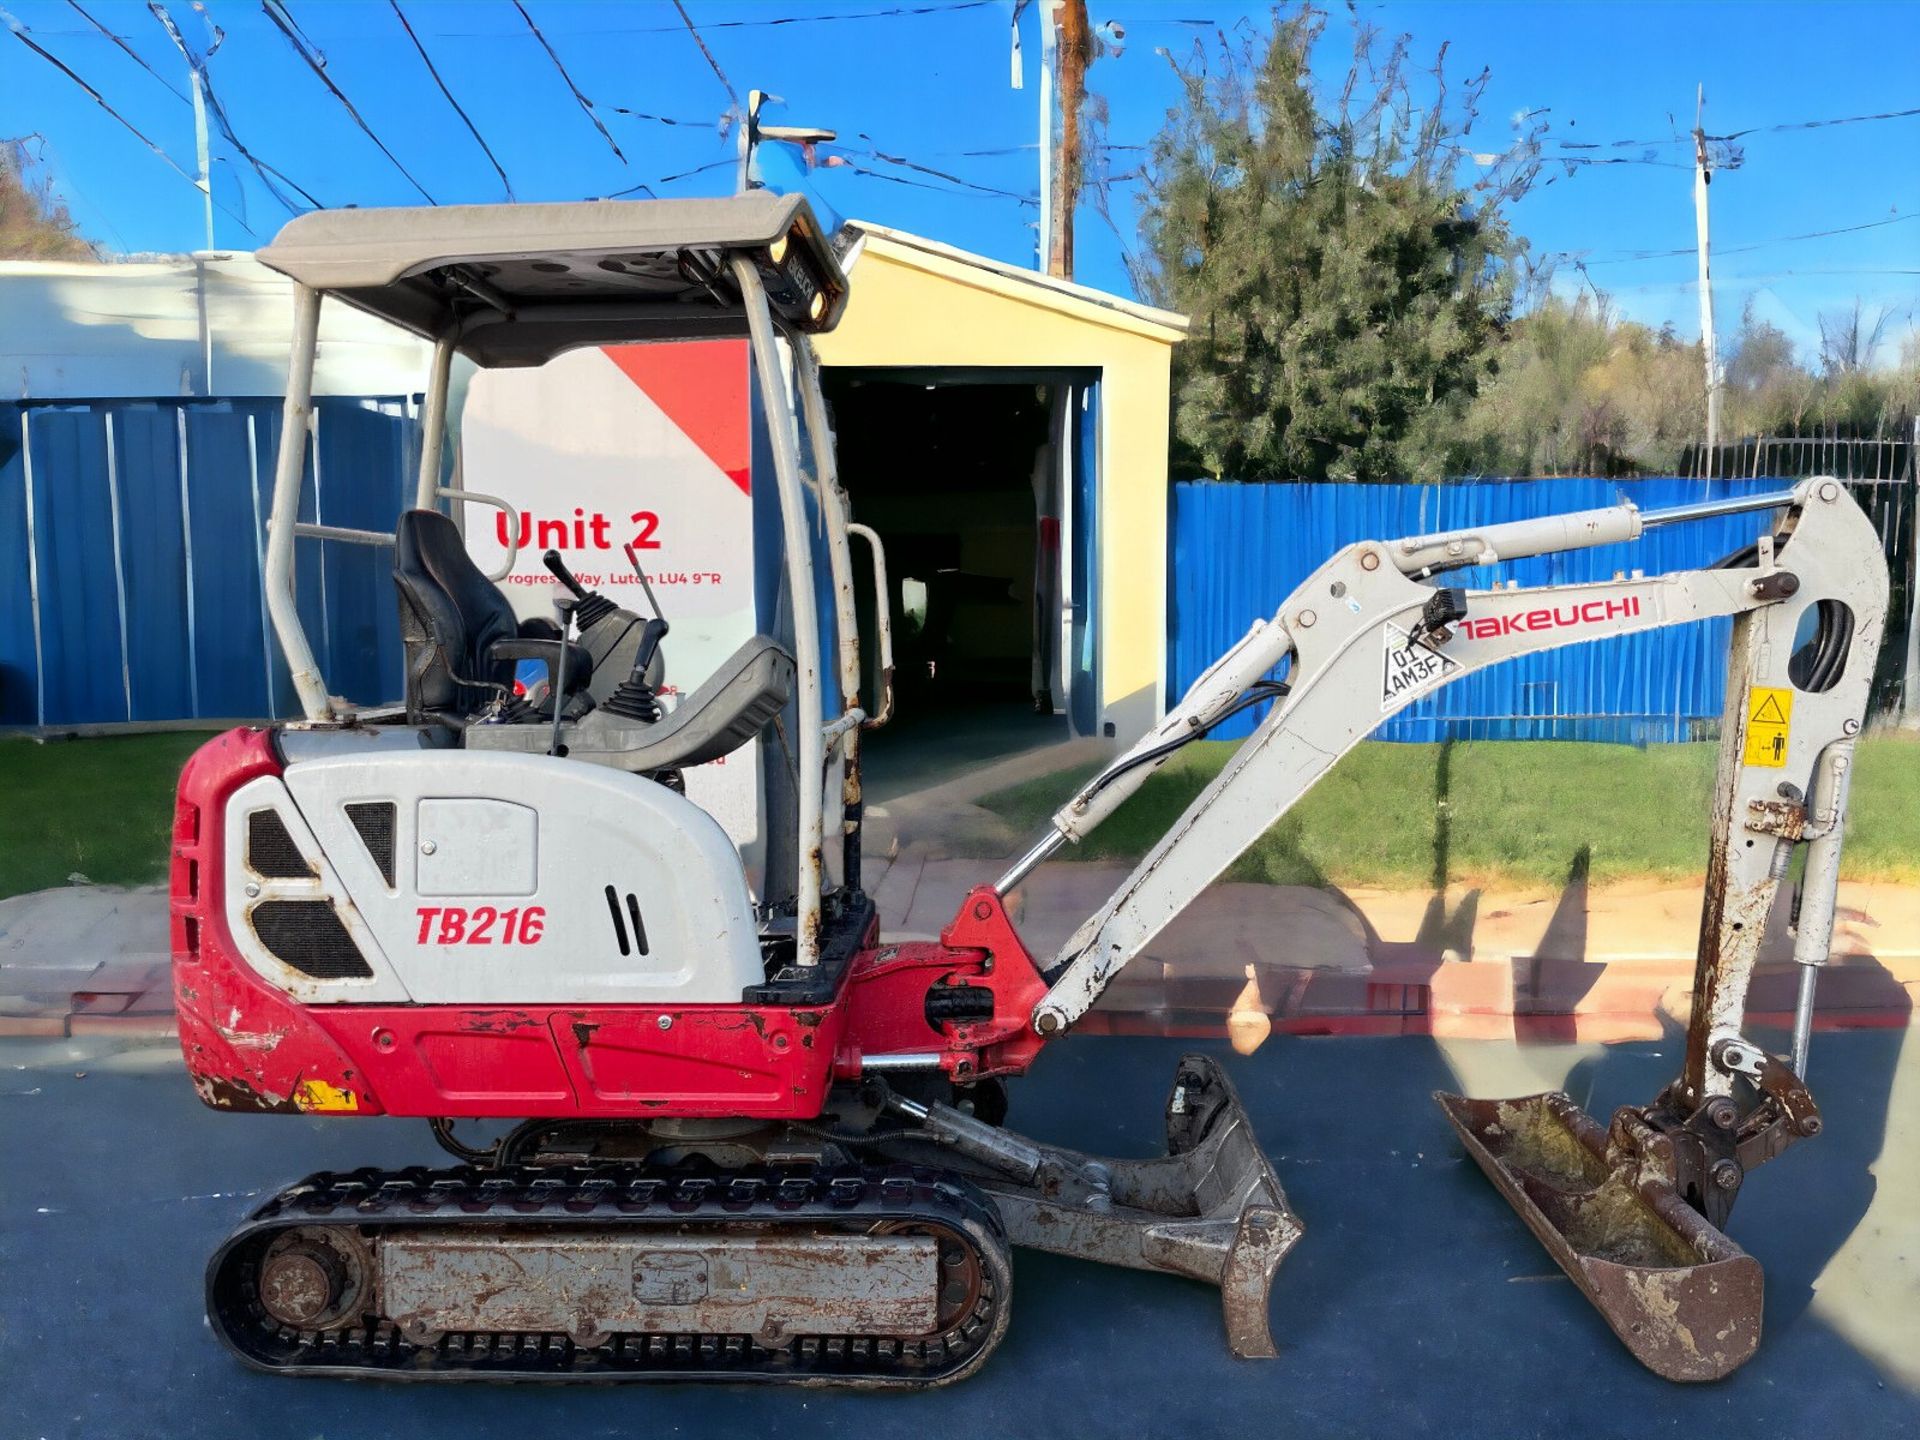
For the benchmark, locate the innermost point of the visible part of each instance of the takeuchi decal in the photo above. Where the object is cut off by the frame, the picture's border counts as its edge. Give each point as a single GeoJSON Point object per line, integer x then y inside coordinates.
{"type": "Point", "coordinates": [1556, 617]}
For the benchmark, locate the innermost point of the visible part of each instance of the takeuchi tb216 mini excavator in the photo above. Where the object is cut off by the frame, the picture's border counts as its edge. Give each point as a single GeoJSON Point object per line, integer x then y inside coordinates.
{"type": "Point", "coordinates": [752, 1140]}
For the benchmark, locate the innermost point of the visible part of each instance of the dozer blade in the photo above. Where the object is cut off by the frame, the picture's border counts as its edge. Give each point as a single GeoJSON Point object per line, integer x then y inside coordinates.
{"type": "Point", "coordinates": [1210, 1208]}
{"type": "Point", "coordinates": [1683, 1297]}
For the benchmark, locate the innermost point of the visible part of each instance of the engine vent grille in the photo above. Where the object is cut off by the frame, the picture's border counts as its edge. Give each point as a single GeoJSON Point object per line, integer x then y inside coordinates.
{"type": "Point", "coordinates": [630, 920]}
{"type": "Point", "coordinates": [271, 852]}
{"type": "Point", "coordinates": [309, 936]}
{"type": "Point", "coordinates": [374, 819]}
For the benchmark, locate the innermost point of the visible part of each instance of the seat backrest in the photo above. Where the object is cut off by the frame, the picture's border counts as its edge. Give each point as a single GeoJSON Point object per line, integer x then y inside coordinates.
{"type": "Point", "coordinates": [451, 615]}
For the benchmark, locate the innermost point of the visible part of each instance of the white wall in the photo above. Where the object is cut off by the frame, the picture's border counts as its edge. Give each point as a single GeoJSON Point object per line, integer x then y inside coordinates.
{"type": "Point", "coordinates": [99, 331]}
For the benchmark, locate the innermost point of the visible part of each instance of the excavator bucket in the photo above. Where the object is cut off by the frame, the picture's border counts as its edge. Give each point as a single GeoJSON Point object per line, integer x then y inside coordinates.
{"type": "Point", "coordinates": [1683, 1297]}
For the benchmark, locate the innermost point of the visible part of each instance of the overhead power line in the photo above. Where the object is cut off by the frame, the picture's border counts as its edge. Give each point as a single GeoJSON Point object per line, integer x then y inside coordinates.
{"type": "Point", "coordinates": [1778, 128]}
{"type": "Point", "coordinates": [277, 12]}
{"type": "Point", "coordinates": [661, 119]}
{"type": "Point", "coordinates": [134, 54]}
{"type": "Point", "coordinates": [712, 64]}
{"type": "Point", "coordinates": [265, 171]}
{"type": "Point", "coordinates": [978, 191]}
{"type": "Point", "coordinates": [465, 118]}
{"type": "Point", "coordinates": [198, 62]}
{"type": "Point", "coordinates": [1640, 255]}
{"type": "Point", "coordinates": [906, 164]}
{"type": "Point", "coordinates": [898, 10]}
{"type": "Point", "coordinates": [585, 104]}
{"type": "Point", "coordinates": [1787, 125]}
{"type": "Point", "coordinates": [1028, 148]}
{"type": "Point", "coordinates": [20, 34]}
{"type": "Point", "coordinates": [647, 189]}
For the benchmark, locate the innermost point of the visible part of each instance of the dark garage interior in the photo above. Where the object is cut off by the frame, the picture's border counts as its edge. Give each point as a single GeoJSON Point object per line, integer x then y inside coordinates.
{"type": "Point", "coordinates": [959, 479]}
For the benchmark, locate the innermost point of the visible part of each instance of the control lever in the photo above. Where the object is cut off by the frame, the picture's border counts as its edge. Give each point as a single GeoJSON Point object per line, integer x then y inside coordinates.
{"type": "Point", "coordinates": [563, 609]}
{"type": "Point", "coordinates": [593, 606]}
{"type": "Point", "coordinates": [554, 563]}
{"type": "Point", "coordinates": [633, 559]}
{"type": "Point", "coordinates": [635, 700]}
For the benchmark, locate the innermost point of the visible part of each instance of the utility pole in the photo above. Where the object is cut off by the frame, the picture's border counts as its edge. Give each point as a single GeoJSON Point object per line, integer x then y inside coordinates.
{"type": "Point", "coordinates": [1074, 51]}
{"type": "Point", "coordinates": [202, 154]}
{"type": "Point", "coordinates": [1043, 247]}
{"type": "Point", "coordinates": [204, 157]}
{"type": "Point", "coordinates": [1702, 177]}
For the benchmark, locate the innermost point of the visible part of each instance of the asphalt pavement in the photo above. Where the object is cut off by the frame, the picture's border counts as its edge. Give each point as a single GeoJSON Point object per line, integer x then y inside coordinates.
{"type": "Point", "coordinates": [1416, 1305]}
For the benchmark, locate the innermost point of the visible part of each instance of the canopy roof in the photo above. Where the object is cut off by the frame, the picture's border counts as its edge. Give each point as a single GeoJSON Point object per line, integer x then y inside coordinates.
{"type": "Point", "coordinates": [518, 284]}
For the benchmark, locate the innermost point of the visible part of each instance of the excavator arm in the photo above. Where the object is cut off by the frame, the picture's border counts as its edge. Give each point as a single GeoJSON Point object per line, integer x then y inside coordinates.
{"type": "Point", "coordinates": [1630, 1211]}
{"type": "Point", "coordinates": [1369, 633]}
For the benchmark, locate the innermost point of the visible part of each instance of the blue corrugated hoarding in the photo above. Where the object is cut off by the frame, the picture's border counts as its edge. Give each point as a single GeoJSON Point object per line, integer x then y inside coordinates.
{"type": "Point", "coordinates": [131, 542]}
{"type": "Point", "coordinates": [1238, 551]}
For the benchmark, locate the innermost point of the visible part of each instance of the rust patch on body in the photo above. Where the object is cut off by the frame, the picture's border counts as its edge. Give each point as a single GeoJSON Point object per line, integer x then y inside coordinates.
{"type": "Point", "coordinates": [498, 1022]}
{"type": "Point", "coordinates": [229, 1094]}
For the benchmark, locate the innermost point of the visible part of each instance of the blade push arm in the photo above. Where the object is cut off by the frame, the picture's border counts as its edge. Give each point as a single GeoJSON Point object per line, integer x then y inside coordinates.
{"type": "Point", "coordinates": [1363, 638]}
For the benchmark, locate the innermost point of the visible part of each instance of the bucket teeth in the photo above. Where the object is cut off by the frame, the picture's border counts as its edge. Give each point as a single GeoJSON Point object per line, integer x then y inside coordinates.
{"type": "Point", "coordinates": [1681, 1296]}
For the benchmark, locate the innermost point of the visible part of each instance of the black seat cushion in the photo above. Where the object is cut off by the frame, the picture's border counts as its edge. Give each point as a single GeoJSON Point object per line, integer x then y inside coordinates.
{"type": "Point", "coordinates": [451, 616]}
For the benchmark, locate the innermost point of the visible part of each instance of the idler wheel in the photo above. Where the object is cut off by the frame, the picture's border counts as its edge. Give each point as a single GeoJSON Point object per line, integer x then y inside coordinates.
{"type": "Point", "coordinates": [313, 1279]}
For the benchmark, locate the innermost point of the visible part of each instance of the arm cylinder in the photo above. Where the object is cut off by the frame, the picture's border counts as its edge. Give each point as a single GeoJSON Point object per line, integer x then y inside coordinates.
{"type": "Point", "coordinates": [1819, 887]}
{"type": "Point", "coordinates": [1455, 550]}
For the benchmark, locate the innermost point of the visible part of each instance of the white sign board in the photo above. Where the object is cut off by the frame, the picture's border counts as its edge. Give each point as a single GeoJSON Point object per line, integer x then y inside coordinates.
{"type": "Point", "coordinates": [647, 445]}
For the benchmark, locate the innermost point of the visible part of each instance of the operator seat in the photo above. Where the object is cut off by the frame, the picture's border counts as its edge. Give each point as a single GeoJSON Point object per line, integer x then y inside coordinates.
{"type": "Point", "coordinates": [451, 617]}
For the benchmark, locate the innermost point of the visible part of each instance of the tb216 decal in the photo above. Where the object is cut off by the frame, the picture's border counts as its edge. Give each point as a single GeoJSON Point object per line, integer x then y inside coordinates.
{"type": "Point", "coordinates": [482, 925]}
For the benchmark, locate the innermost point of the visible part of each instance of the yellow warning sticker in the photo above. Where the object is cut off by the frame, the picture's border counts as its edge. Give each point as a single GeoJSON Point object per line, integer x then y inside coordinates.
{"type": "Point", "coordinates": [318, 1095]}
{"type": "Point", "coordinates": [1769, 717]}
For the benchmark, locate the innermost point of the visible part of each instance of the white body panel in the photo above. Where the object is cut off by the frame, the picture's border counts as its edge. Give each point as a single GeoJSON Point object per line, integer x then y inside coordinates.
{"type": "Point", "coordinates": [383, 987]}
{"type": "Point", "coordinates": [591, 460]}
{"type": "Point", "coordinates": [524, 849]}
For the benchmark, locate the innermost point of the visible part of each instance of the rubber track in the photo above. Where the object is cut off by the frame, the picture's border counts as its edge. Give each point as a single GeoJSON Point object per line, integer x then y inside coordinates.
{"type": "Point", "coordinates": [847, 1199]}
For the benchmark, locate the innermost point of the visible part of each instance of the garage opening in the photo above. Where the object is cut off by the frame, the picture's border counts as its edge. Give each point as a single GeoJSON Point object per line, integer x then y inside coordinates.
{"type": "Point", "coordinates": [965, 481]}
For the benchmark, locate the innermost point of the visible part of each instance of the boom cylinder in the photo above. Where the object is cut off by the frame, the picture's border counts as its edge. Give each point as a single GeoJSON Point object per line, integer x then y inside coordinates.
{"type": "Point", "coordinates": [1819, 888]}
{"type": "Point", "coordinates": [1260, 650]}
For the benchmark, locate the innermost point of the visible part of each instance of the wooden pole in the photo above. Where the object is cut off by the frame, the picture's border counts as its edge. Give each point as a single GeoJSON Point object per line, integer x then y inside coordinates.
{"type": "Point", "coordinates": [1073, 51]}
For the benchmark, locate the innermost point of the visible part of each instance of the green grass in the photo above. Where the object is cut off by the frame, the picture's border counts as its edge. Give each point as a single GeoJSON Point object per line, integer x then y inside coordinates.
{"type": "Point", "coordinates": [1480, 812]}
{"type": "Point", "coordinates": [100, 808]}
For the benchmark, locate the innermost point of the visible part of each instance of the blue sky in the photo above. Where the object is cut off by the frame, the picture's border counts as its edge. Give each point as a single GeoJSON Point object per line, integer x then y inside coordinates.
{"type": "Point", "coordinates": [933, 88]}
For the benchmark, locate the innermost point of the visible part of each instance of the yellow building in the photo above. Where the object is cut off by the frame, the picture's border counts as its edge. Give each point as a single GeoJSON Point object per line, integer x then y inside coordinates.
{"type": "Point", "coordinates": [1006, 433]}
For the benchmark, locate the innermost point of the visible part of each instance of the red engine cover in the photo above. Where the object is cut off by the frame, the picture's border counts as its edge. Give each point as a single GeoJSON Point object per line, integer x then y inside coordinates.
{"type": "Point", "coordinates": [251, 1046]}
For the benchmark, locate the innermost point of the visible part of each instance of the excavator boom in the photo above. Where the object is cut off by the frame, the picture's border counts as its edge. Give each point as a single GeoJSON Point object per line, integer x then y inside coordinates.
{"type": "Point", "coordinates": [1630, 1211]}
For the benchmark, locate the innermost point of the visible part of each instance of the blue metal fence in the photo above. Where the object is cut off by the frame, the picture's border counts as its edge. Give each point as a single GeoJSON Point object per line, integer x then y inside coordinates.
{"type": "Point", "coordinates": [1238, 551]}
{"type": "Point", "coordinates": [131, 544]}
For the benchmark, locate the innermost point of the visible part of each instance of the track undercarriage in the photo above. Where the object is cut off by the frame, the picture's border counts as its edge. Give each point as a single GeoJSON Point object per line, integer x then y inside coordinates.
{"type": "Point", "coordinates": [864, 1252]}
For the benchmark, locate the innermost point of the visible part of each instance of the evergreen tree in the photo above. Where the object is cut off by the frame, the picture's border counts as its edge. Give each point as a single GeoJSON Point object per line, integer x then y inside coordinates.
{"type": "Point", "coordinates": [1347, 289]}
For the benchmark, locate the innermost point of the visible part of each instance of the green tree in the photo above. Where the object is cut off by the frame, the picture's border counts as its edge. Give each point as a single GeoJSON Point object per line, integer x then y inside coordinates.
{"type": "Point", "coordinates": [1348, 289]}
{"type": "Point", "coordinates": [34, 223]}
{"type": "Point", "coordinates": [1582, 392]}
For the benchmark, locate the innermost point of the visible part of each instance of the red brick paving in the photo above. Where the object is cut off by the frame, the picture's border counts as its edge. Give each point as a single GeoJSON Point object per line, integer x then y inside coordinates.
{"type": "Point", "coordinates": [1529, 999]}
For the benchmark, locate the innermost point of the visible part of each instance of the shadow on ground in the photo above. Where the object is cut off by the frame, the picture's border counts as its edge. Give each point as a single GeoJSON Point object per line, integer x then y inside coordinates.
{"type": "Point", "coordinates": [1416, 1305]}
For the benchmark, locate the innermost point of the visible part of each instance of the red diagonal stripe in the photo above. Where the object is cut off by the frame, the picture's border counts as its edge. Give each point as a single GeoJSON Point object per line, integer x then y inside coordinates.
{"type": "Point", "coordinates": [701, 385]}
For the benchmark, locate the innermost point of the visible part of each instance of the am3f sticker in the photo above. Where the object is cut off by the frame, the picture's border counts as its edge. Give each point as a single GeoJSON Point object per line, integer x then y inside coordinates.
{"type": "Point", "coordinates": [1409, 666]}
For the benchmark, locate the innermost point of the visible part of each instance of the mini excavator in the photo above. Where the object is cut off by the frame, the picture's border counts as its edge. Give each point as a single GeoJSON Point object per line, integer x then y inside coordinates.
{"type": "Point", "coordinates": [750, 1140]}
